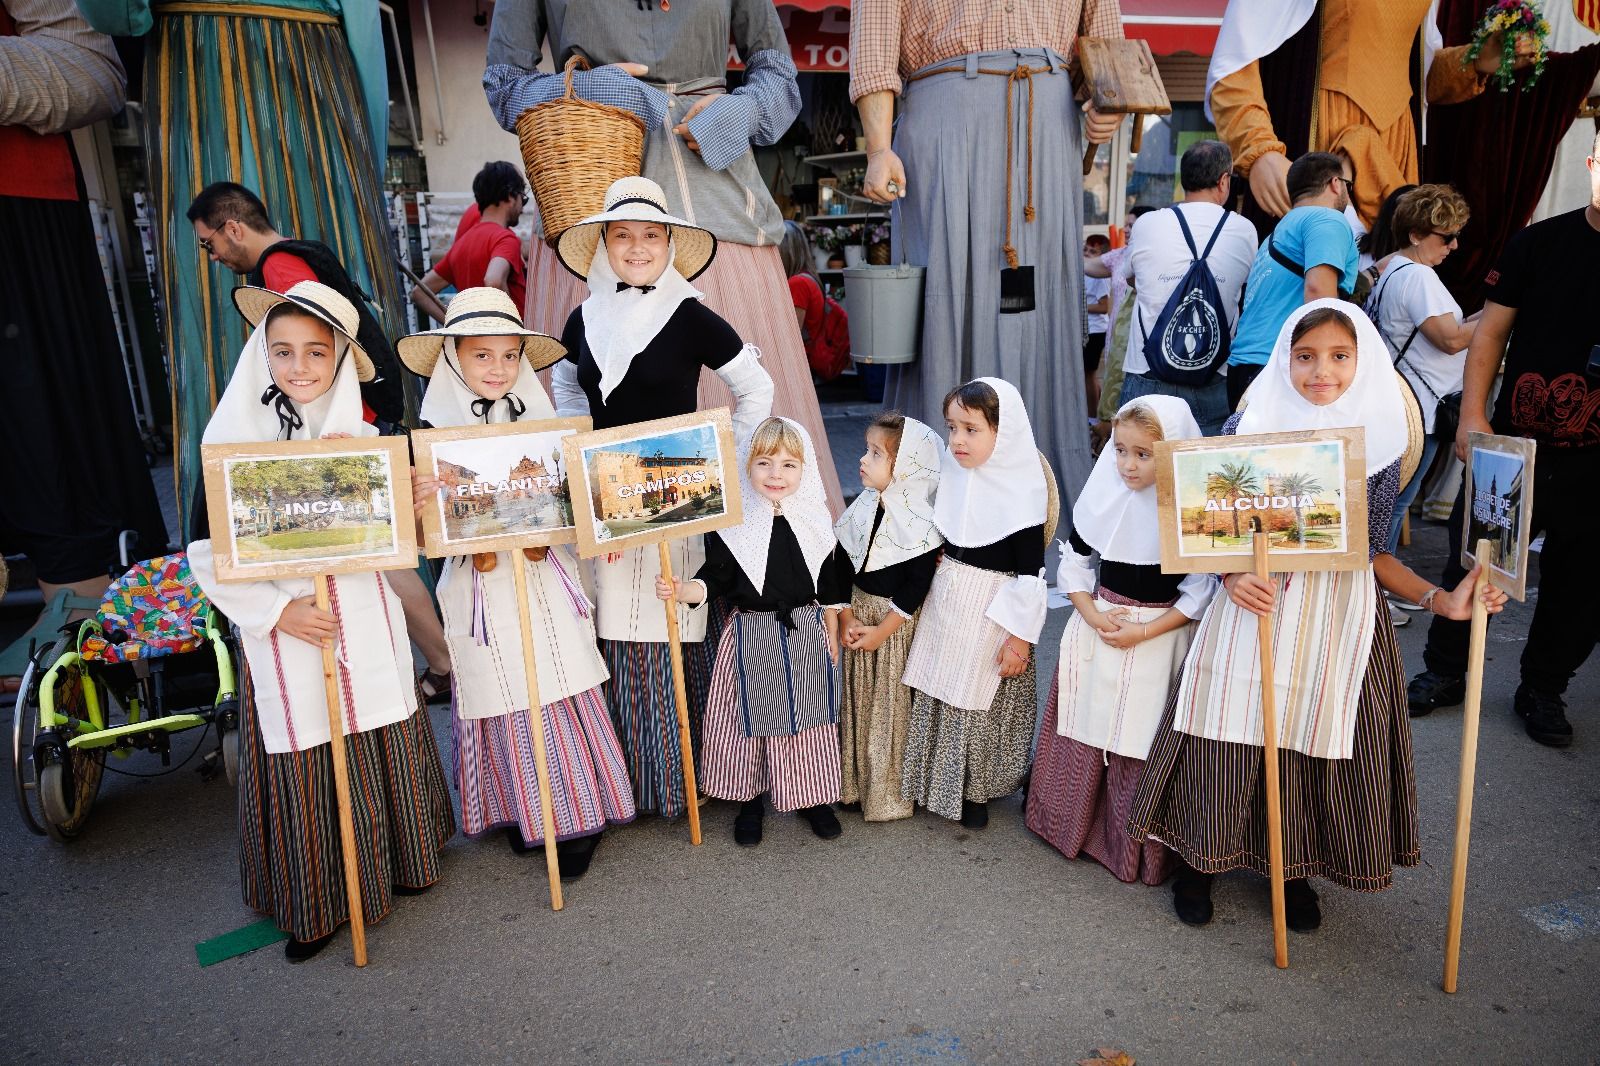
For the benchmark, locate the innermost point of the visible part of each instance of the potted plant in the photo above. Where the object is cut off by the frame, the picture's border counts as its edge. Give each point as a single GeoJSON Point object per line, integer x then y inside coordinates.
{"type": "Point", "coordinates": [825, 244]}
{"type": "Point", "coordinates": [855, 253]}
{"type": "Point", "coordinates": [878, 243]}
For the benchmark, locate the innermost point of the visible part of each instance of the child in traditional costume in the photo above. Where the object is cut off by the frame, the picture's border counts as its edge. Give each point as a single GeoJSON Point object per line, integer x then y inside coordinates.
{"type": "Point", "coordinates": [1349, 795]}
{"type": "Point", "coordinates": [1120, 653]}
{"type": "Point", "coordinates": [297, 378]}
{"type": "Point", "coordinates": [480, 368]}
{"type": "Point", "coordinates": [893, 545]}
{"type": "Point", "coordinates": [971, 662]}
{"type": "Point", "coordinates": [771, 724]}
{"type": "Point", "coordinates": [635, 351]}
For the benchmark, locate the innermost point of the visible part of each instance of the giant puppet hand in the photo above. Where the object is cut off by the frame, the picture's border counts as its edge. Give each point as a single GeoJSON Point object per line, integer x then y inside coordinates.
{"type": "Point", "coordinates": [1269, 183]}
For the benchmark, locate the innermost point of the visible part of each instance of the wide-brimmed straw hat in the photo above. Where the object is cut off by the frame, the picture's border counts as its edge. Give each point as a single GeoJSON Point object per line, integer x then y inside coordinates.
{"type": "Point", "coordinates": [637, 200]}
{"type": "Point", "coordinates": [317, 299]}
{"type": "Point", "coordinates": [479, 312]}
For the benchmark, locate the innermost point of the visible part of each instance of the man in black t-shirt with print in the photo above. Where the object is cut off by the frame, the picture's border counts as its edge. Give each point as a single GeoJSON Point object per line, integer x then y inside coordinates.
{"type": "Point", "coordinates": [1544, 298]}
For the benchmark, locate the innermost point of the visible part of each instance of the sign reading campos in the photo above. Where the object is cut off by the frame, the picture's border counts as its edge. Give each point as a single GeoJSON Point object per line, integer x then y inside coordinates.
{"type": "Point", "coordinates": [653, 481]}
{"type": "Point", "coordinates": [301, 508]}
{"type": "Point", "coordinates": [1307, 491]}
{"type": "Point", "coordinates": [1500, 491]}
{"type": "Point", "coordinates": [502, 486]}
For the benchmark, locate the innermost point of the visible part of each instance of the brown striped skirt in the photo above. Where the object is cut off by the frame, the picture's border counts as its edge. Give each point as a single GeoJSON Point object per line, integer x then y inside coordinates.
{"type": "Point", "coordinates": [1348, 820]}
{"type": "Point", "coordinates": [290, 859]}
{"type": "Point", "coordinates": [874, 714]}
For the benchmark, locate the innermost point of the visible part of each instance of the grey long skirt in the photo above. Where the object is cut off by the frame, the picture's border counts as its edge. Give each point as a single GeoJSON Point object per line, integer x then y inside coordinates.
{"type": "Point", "coordinates": [951, 136]}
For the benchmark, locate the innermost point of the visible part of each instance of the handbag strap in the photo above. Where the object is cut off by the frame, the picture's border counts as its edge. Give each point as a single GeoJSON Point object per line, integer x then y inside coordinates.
{"type": "Point", "coordinates": [1376, 314]}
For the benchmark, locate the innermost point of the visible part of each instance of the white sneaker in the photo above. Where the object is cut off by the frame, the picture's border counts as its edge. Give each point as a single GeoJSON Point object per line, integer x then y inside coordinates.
{"type": "Point", "coordinates": [1398, 618]}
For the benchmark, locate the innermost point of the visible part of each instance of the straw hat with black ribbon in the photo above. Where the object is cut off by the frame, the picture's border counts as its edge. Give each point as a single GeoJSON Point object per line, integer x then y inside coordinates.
{"type": "Point", "coordinates": [478, 312]}
{"type": "Point", "coordinates": [637, 199]}
{"type": "Point", "coordinates": [256, 303]}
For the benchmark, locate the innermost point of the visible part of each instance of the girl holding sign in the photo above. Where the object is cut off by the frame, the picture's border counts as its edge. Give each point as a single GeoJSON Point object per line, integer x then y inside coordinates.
{"type": "Point", "coordinates": [1120, 653]}
{"type": "Point", "coordinates": [771, 723]}
{"type": "Point", "coordinates": [971, 662]}
{"type": "Point", "coordinates": [480, 368]}
{"type": "Point", "coordinates": [635, 349]}
{"type": "Point", "coordinates": [1349, 792]}
{"type": "Point", "coordinates": [297, 378]}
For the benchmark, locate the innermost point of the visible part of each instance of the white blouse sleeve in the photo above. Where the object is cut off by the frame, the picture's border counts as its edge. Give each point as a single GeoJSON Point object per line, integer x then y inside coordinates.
{"type": "Point", "coordinates": [570, 399]}
{"type": "Point", "coordinates": [1020, 606]}
{"type": "Point", "coordinates": [254, 606]}
{"type": "Point", "coordinates": [1075, 573]}
{"type": "Point", "coordinates": [752, 390]}
{"type": "Point", "coordinates": [1195, 592]}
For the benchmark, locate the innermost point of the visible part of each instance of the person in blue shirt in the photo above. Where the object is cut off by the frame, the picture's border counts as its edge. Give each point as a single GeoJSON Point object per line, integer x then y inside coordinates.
{"type": "Point", "coordinates": [1310, 255]}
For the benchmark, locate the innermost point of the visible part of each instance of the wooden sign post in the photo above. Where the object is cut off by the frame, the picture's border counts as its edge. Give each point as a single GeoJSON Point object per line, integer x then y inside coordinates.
{"type": "Point", "coordinates": [341, 789]}
{"type": "Point", "coordinates": [1269, 746]}
{"type": "Point", "coordinates": [547, 820]}
{"type": "Point", "coordinates": [651, 483]}
{"type": "Point", "coordinates": [1498, 520]}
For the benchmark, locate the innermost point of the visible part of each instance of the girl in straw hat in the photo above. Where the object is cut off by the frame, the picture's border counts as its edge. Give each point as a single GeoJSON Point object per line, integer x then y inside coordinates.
{"type": "Point", "coordinates": [1349, 793]}
{"type": "Point", "coordinates": [480, 368]}
{"type": "Point", "coordinates": [635, 349]}
{"type": "Point", "coordinates": [297, 379]}
{"type": "Point", "coordinates": [893, 544]}
{"type": "Point", "coordinates": [1120, 653]}
{"type": "Point", "coordinates": [771, 724]}
{"type": "Point", "coordinates": [971, 663]}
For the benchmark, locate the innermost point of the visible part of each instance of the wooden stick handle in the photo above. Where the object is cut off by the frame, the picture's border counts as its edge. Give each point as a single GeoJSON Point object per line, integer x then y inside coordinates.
{"type": "Point", "coordinates": [680, 695]}
{"type": "Point", "coordinates": [1269, 748]}
{"type": "Point", "coordinates": [541, 761]}
{"type": "Point", "coordinates": [1469, 763]}
{"type": "Point", "coordinates": [341, 789]}
{"type": "Point", "coordinates": [1088, 158]}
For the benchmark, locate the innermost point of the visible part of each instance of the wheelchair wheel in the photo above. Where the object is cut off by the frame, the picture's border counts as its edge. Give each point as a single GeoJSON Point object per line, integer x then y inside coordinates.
{"type": "Point", "coordinates": [24, 727]}
{"type": "Point", "coordinates": [67, 780]}
{"type": "Point", "coordinates": [230, 755]}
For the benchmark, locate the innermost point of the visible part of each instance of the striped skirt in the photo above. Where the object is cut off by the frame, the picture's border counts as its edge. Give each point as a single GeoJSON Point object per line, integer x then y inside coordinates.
{"type": "Point", "coordinates": [795, 771]}
{"type": "Point", "coordinates": [498, 777]}
{"type": "Point", "coordinates": [873, 716]}
{"type": "Point", "coordinates": [290, 864]}
{"type": "Point", "coordinates": [1078, 801]}
{"type": "Point", "coordinates": [1348, 820]}
{"type": "Point", "coordinates": [746, 286]}
{"type": "Point", "coordinates": [954, 754]}
{"type": "Point", "coordinates": [645, 713]}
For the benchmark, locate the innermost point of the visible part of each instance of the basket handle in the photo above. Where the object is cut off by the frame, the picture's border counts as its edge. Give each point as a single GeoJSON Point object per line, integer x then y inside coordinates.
{"type": "Point", "coordinates": [572, 65]}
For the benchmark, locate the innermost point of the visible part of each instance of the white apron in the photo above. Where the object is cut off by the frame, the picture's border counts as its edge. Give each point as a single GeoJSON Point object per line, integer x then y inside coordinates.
{"type": "Point", "coordinates": [954, 655]}
{"type": "Point", "coordinates": [1113, 699]}
{"type": "Point", "coordinates": [625, 591]}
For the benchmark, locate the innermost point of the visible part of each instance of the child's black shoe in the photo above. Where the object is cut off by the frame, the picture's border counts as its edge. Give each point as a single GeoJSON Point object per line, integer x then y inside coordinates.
{"type": "Point", "coordinates": [1191, 897]}
{"type": "Point", "coordinates": [301, 950]}
{"type": "Point", "coordinates": [573, 856]}
{"type": "Point", "coordinates": [974, 815]}
{"type": "Point", "coordinates": [747, 826]}
{"type": "Point", "coordinates": [1300, 908]}
{"type": "Point", "coordinates": [823, 821]}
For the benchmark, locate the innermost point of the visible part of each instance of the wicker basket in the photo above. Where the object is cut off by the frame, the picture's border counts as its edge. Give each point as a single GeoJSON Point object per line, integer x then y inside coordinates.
{"type": "Point", "coordinates": [573, 150]}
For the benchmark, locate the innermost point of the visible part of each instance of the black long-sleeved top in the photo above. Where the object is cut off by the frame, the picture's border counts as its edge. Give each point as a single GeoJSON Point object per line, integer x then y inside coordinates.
{"type": "Point", "coordinates": [906, 583]}
{"type": "Point", "coordinates": [788, 581]}
{"type": "Point", "coordinates": [1141, 583]}
{"type": "Point", "coordinates": [1019, 553]}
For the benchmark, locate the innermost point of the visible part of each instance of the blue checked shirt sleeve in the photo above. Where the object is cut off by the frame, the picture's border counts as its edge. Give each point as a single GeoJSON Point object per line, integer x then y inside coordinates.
{"type": "Point", "coordinates": [512, 90]}
{"type": "Point", "coordinates": [758, 112]}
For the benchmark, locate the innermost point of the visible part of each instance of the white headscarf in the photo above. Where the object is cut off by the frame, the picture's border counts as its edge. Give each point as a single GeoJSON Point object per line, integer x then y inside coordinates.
{"type": "Point", "coordinates": [907, 529]}
{"type": "Point", "coordinates": [1373, 401]}
{"type": "Point", "coordinates": [1112, 519]}
{"type": "Point", "coordinates": [1005, 494]}
{"type": "Point", "coordinates": [618, 325]}
{"type": "Point", "coordinates": [449, 402]}
{"type": "Point", "coordinates": [254, 409]}
{"type": "Point", "coordinates": [806, 512]}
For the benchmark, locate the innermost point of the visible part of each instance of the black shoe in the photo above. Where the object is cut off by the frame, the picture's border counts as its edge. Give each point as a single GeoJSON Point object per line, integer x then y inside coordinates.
{"type": "Point", "coordinates": [823, 821]}
{"type": "Point", "coordinates": [410, 890]}
{"type": "Point", "coordinates": [1544, 715]}
{"type": "Point", "coordinates": [435, 687]}
{"type": "Point", "coordinates": [1191, 897]}
{"type": "Point", "coordinates": [301, 950]}
{"type": "Point", "coordinates": [518, 845]}
{"type": "Point", "coordinates": [573, 856]}
{"type": "Point", "coordinates": [747, 826]}
{"type": "Point", "coordinates": [1300, 910]}
{"type": "Point", "coordinates": [1429, 691]}
{"type": "Point", "coordinates": [974, 815]}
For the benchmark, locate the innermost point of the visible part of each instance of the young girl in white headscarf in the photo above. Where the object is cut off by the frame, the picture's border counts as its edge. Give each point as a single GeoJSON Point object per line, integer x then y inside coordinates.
{"type": "Point", "coordinates": [771, 725]}
{"type": "Point", "coordinates": [1120, 653]}
{"type": "Point", "coordinates": [298, 379]}
{"type": "Point", "coordinates": [635, 350]}
{"type": "Point", "coordinates": [1349, 795]}
{"type": "Point", "coordinates": [971, 663]}
{"type": "Point", "coordinates": [480, 368]}
{"type": "Point", "coordinates": [893, 544]}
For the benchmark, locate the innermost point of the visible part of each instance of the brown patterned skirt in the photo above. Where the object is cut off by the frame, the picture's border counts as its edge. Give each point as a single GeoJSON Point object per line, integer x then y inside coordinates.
{"type": "Point", "coordinates": [873, 717]}
{"type": "Point", "coordinates": [954, 754]}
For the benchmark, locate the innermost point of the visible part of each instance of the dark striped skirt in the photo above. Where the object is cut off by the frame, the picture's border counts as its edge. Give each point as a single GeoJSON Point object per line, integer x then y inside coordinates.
{"type": "Point", "coordinates": [645, 713]}
{"type": "Point", "coordinates": [290, 857]}
{"type": "Point", "coordinates": [1078, 801]}
{"type": "Point", "coordinates": [1348, 820]}
{"type": "Point", "coordinates": [873, 717]}
{"type": "Point", "coordinates": [498, 778]}
{"type": "Point", "coordinates": [954, 754]}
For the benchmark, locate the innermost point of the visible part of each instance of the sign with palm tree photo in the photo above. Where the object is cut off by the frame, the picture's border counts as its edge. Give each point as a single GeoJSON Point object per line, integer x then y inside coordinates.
{"type": "Point", "coordinates": [1306, 491]}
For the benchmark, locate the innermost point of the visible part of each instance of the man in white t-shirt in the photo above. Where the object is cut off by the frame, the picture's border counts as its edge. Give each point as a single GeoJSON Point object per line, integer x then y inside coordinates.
{"type": "Point", "coordinates": [1158, 258]}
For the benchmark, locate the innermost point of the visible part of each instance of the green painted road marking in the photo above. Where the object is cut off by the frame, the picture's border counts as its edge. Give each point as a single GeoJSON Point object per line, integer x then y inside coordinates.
{"type": "Point", "coordinates": [241, 941]}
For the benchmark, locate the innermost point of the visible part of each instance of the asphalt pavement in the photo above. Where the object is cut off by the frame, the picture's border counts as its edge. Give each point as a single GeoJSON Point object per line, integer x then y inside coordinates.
{"type": "Point", "coordinates": [910, 942]}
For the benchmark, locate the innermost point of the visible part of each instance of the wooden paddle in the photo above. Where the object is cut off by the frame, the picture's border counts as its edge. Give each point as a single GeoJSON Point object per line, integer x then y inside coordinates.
{"type": "Point", "coordinates": [1269, 745]}
{"type": "Point", "coordinates": [1469, 763]}
{"type": "Point", "coordinates": [547, 819]}
{"type": "Point", "coordinates": [341, 787]}
{"type": "Point", "coordinates": [680, 695]}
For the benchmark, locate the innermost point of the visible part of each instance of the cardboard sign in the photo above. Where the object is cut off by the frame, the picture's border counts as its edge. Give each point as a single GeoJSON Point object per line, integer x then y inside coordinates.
{"type": "Point", "coordinates": [306, 507]}
{"type": "Point", "coordinates": [648, 482]}
{"type": "Point", "coordinates": [1307, 489]}
{"type": "Point", "coordinates": [1500, 508]}
{"type": "Point", "coordinates": [505, 486]}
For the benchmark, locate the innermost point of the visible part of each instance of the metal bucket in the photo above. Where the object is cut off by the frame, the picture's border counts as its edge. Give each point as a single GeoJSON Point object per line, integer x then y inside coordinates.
{"type": "Point", "coordinates": [885, 305]}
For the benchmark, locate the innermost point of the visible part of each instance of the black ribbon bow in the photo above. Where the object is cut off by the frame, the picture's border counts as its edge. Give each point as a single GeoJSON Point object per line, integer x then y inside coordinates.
{"type": "Point", "coordinates": [621, 285]}
{"type": "Point", "coordinates": [289, 418]}
{"type": "Point", "coordinates": [483, 405]}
